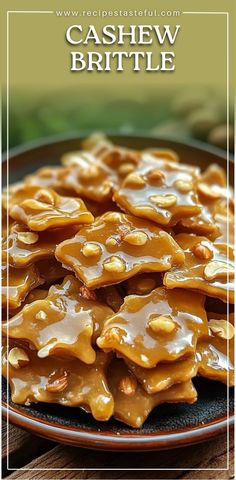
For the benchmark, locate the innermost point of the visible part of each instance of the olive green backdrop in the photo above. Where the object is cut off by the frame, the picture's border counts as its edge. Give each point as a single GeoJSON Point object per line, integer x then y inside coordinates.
{"type": "Point", "coordinates": [46, 98]}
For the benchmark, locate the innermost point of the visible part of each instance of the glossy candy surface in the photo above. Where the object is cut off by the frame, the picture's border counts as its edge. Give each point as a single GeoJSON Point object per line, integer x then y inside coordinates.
{"type": "Point", "coordinates": [117, 247]}
{"type": "Point", "coordinates": [120, 275]}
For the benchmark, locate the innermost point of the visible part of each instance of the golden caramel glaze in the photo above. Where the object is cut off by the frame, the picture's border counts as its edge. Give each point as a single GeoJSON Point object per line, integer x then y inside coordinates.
{"type": "Point", "coordinates": [161, 154]}
{"type": "Point", "coordinates": [66, 382]}
{"type": "Point", "coordinates": [85, 175]}
{"type": "Point", "coordinates": [116, 247]}
{"type": "Point", "coordinates": [208, 268]}
{"type": "Point", "coordinates": [46, 177]}
{"type": "Point", "coordinates": [42, 209]}
{"type": "Point", "coordinates": [160, 190]}
{"type": "Point", "coordinates": [133, 404]}
{"type": "Point", "coordinates": [212, 192]}
{"type": "Point", "coordinates": [211, 360]}
{"type": "Point", "coordinates": [164, 375]}
{"type": "Point", "coordinates": [36, 294]}
{"type": "Point", "coordinates": [22, 247]}
{"type": "Point", "coordinates": [17, 283]}
{"type": "Point", "coordinates": [216, 353]}
{"type": "Point", "coordinates": [9, 192]}
{"type": "Point", "coordinates": [143, 283]}
{"type": "Point", "coordinates": [61, 324]}
{"type": "Point", "coordinates": [147, 306]}
{"type": "Point", "coordinates": [6, 223]}
{"type": "Point", "coordinates": [224, 219]}
{"type": "Point", "coordinates": [158, 327]}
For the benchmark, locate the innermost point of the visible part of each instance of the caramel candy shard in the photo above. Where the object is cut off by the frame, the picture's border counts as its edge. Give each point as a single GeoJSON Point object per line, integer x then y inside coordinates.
{"type": "Point", "coordinates": [130, 331]}
{"type": "Point", "coordinates": [118, 258]}
{"type": "Point", "coordinates": [133, 409]}
{"type": "Point", "coordinates": [46, 177]}
{"type": "Point", "coordinates": [143, 283]}
{"type": "Point", "coordinates": [216, 352]}
{"type": "Point", "coordinates": [62, 323]}
{"type": "Point", "coordinates": [23, 247]}
{"type": "Point", "coordinates": [224, 219]}
{"type": "Point", "coordinates": [211, 190]}
{"type": "Point", "coordinates": [214, 175]}
{"type": "Point", "coordinates": [87, 176]}
{"type": "Point", "coordinates": [42, 209]}
{"type": "Point", "coordinates": [211, 275]}
{"type": "Point", "coordinates": [164, 375]}
{"type": "Point", "coordinates": [159, 153]}
{"type": "Point", "coordinates": [153, 191]}
{"type": "Point", "coordinates": [17, 283]}
{"type": "Point", "coordinates": [63, 381]}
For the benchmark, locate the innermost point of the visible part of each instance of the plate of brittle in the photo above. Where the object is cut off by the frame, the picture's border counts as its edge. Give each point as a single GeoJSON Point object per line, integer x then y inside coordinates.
{"type": "Point", "coordinates": [118, 291]}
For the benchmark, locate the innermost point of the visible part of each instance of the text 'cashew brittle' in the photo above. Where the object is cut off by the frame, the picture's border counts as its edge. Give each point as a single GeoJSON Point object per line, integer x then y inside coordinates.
{"type": "Point", "coordinates": [67, 382]}
{"type": "Point", "coordinates": [17, 283]}
{"type": "Point", "coordinates": [22, 247]}
{"type": "Point", "coordinates": [163, 192]}
{"type": "Point", "coordinates": [62, 323]}
{"type": "Point", "coordinates": [133, 404]}
{"type": "Point", "coordinates": [42, 209]}
{"type": "Point", "coordinates": [161, 326]}
{"type": "Point", "coordinates": [208, 267]}
{"type": "Point", "coordinates": [116, 247]}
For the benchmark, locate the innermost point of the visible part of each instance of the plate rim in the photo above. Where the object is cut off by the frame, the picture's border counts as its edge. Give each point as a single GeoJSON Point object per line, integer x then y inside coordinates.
{"type": "Point", "coordinates": [76, 436]}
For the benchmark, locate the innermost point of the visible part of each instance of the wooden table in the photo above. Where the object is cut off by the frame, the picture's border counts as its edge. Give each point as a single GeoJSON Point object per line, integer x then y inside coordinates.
{"type": "Point", "coordinates": [31, 452]}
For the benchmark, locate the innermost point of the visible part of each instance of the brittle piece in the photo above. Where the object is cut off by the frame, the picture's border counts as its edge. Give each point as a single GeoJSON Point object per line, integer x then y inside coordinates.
{"type": "Point", "coordinates": [87, 176]}
{"type": "Point", "coordinates": [68, 382]}
{"type": "Point", "coordinates": [164, 375]}
{"type": "Point", "coordinates": [216, 353]}
{"type": "Point", "coordinates": [63, 323]}
{"type": "Point", "coordinates": [211, 188]}
{"type": "Point", "coordinates": [42, 209]}
{"type": "Point", "coordinates": [17, 283]}
{"type": "Point", "coordinates": [207, 268]}
{"type": "Point", "coordinates": [23, 247]}
{"type": "Point", "coordinates": [45, 177]}
{"type": "Point", "coordinates": [133, 404]}
{"type": "Point", "coordinates": [160, 190]}
{"type": "Point", "coordinates": [224, 219]}
{"type": "Point", "coordinates": [36, 294]}
{"type": "Point", "coordinates": [116, 247]}
{"type": "Point", "coordinates": [158, 327]}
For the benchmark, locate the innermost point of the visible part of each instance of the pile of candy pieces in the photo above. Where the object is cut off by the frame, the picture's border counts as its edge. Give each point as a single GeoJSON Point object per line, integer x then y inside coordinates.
{"type": "Point", "coordinates": [117, 281]}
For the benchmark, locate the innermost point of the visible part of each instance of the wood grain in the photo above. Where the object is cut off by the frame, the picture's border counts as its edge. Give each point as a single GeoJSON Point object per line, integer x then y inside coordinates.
{"type": "Point", "coordinates": [21, 448]}
{"type": "Point", "coordinates": [210, 455]}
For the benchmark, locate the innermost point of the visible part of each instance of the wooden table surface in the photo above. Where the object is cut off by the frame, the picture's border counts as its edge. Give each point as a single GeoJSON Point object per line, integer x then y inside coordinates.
{"type": "Point", "coordinates": [27, 451]}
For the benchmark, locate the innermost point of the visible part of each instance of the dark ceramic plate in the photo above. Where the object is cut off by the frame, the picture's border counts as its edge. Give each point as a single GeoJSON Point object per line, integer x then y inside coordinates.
{"type": "Point", "coordinates": [168, 426]}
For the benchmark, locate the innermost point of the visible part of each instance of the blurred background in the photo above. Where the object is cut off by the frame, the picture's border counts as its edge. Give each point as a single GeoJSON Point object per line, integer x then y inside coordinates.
{"type": "Point", "coordinates": [181, 113]}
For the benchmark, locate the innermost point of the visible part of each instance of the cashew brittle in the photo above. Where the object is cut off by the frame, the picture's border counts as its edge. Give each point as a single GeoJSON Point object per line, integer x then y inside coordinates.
{"type": "Point", "coordinates": [212, 276]}
{"type": "Point", "coordinates": [62, 323]}
{"type": "Point", "coordinates": [129, 331]}
{"type": "Point", "coordinates": [42, 209]}
{"type": "Point", "coordinates": [116, 258]}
